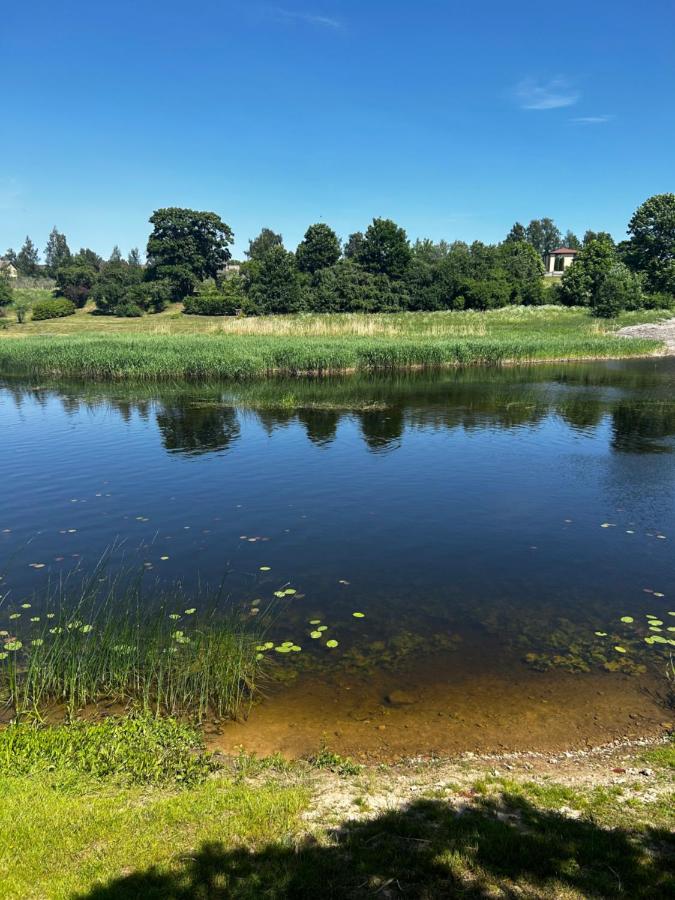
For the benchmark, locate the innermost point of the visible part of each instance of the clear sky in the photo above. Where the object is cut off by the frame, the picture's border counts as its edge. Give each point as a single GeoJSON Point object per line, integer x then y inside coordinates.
{"type": "Point", "coordinates": [453, 118]}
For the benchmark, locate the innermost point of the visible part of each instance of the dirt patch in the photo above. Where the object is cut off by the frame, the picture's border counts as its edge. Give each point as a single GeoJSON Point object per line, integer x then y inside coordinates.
{"type": "Point", "coordinates": [661, 331]}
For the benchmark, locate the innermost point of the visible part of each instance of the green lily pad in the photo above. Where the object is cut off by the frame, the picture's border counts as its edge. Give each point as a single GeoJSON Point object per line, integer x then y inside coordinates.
{"type": "Point", "coordinates": [627, 619]}
{"type": "Point", "coordinates": [359, 615]}
{"type": "Point", "coordinates": [265, 569]}
{"type": "Point", "coordinates": [322, 628]}
{"type": "Point", "coordinates": [331, 644]}
{"type": "Point", "coordinates": [315, 621]}
{"type": "Point", "coordinates": [315, 634]}
{"type": "Point", "coordinates": [620, 649]}
{"type": "Point", "coordinates": [283, 649]}
{"type": "Point", "coordinates": [601, 633]}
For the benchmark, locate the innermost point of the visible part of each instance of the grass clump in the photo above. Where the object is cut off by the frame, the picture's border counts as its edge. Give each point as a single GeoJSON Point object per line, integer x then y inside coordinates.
{"type": "Point", "coordinates": [136, 750]}
{"type": "Point", "coordinates": [163, 653]}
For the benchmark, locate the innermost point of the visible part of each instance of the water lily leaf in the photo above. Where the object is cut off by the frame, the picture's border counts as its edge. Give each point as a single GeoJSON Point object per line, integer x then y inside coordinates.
{"type": "Point", "coordinates": [315, 621]}
{"type": "Point", "coordinates": [656, 622]}
{"type": "Point", "coordinates": [601, 633]}
{"type": "Point", "coordinates": [627, 619]}
{"type": "Point", "coordinates": [265, 569]}
{"type": "Point", "coordinates": [283, 649]}
{"type": "Point", "coordinates": [290, 591]}
{"type": "Point", "coordinates": [359, 615]}
{"type": "Point", "coordinates": [322, 628]}
{"type": "Point", "coordinates": [331, 644]}
{"type": "Point", "coordinates": [620, 649]}
{"type": "Point", "coordinates": [315, 634]}
{"type": "Point", "coordinates": [659, 639]}
{"type": "Point", "coordinates": [13, 645]}
{"type": "Point", "coordinates": [279, 594]}
{"type": "Point", "coordinates": [295, 648]}
{"type": "Point", "coordinates": [191, 611]}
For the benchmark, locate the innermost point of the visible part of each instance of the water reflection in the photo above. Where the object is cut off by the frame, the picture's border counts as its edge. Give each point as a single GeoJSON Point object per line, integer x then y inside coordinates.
{"type": "Point", "coordinates": [635, 398]}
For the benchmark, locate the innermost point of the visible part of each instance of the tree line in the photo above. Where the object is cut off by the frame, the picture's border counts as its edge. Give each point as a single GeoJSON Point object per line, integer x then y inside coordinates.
{"type": "Point", "coordinates": [377, 270]}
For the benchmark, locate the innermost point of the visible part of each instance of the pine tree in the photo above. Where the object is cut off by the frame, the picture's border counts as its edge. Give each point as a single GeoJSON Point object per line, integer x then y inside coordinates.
{"type": "Point", "coordinates": [134, 257]}
{"type": "Point", "coordinates": [28, 259]}
{"type": "Point", "coordinates": [116, 255]}
{"type": "Point", "coordinates": [57, 252]}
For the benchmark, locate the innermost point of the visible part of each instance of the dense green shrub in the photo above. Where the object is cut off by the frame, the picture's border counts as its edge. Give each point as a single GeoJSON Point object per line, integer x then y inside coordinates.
{"type": "Point", "coordinates": [6, 291]}
{"type": "Point", "coordinates": [620, 289]}
{"type": "Point", "coordinates": [128, 310]}
{"type": "Point", "coordinates": [227, 299]}
{"type": "Point", "coordinates": [75, 281]}
{"type": "Point", "coordinates": [53, 309]}
{"type": "Point", "coordinates": [113, 285]}
{"type": "Point", "coordinates": [150, 296]}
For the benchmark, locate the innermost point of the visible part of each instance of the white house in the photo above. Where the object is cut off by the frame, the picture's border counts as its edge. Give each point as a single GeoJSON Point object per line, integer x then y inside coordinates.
{"type": "Point", "coordinates": [557, 261]}
{"type": "Point", "coordinates": [8, 269]}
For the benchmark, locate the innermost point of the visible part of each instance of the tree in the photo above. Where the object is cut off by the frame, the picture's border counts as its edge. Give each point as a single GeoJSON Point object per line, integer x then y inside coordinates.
{"type": "Point", "coordinates": [651, 244]}
{"type": "Point", "coordinates": [266, 240]}
{"type": "Point", "coordinates": [581, 282]}
{"type": "Point", "coordinates": [597, 236]}
{"type": "Point", "coordinates": [116, 255]}
{"type": "Point", "coordinates": [347, 287]}
{"type": "Point", "coordinates": [353, 245]}
{"type": "Point", "coordinates": [571, 240]}
{"type": "Point", "coordinates": [185, 247]}
{"type": "Point", "coordinates": [524, 269]}
{"type": "Point", "coordinates": [385, 249]}
{"type": "Point", "coordinates": [89, 257]}
{"type": "Point", "coordinates": [620, 289]}
{"type": "Point", "coordinates": [10, 256]}
{"type": "Point", "coordinates": [134, 257]}
{"type": "Point", "coordinates": [112, 285]}
{"type": "Point", "coordinates": [75, 281]}
{"type": "Point", "coordinates": [28, 259]}
{"type": "Point", "coordinates": [517, 234]}
{"type": "Point", "coordinates": [319, 249]}
{"type": "Point", "coordinates": [273, 282]}
{"type": "Point", "coordinates": [57, 252]}
{"type": "Point", "coordinates": [544, 235]}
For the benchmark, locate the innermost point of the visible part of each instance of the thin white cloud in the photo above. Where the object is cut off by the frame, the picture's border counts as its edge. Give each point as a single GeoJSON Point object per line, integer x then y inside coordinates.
{"type": "Point", "coordinates": [554, 94]}
{"type": "Point", "coordinates": [592, 120]}
{"type": "Point", "coordinates": [308, 18]}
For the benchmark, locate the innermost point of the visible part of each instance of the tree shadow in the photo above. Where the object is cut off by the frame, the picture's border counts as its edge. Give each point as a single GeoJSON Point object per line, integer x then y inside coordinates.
{"type": "Point", "coordinates": [507, 848]}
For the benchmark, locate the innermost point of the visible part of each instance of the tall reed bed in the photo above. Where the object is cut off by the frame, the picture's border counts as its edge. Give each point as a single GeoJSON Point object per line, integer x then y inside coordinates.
{"type": "Point", "coordinates": [167, 653]}
{"type": "Point", "coordinates": [142, 357]}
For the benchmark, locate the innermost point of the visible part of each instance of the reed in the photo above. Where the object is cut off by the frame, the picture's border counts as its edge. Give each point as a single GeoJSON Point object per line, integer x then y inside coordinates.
{"type": "Point", "coordinates": [169, 653]}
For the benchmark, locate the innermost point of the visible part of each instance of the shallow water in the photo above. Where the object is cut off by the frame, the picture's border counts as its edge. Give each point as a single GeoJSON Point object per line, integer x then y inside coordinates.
{"type": "Point", "coordinates": [485, 522]}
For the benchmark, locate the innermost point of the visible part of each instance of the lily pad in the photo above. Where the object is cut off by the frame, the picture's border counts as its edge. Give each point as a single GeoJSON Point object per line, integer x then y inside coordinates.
{"type": "Point", "coordinates": [359, 615]}
{"type": "Point", "coordinates": [620, 649]}
{"type": "Point", "coordinates": [601, 633]}
{"type": "Point", "coordinates": [627, 619]}
{"type": "Point", "coordinates": [315, 634]}
{"type": "Point", "coordinates": [331, 644]}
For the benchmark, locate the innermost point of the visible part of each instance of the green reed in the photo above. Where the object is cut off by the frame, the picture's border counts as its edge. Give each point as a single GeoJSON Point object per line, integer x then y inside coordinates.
{"type": "Point", "coordinates": [168, 653]}
{"type": "Point", "coordinates": [300, 347]}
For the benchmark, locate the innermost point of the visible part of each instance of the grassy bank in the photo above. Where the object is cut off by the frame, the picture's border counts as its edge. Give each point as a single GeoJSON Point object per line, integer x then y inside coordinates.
{"type": "Point", "coordinates": [173, 346]}
{"type": "Point", "coordinates": [598, 826]}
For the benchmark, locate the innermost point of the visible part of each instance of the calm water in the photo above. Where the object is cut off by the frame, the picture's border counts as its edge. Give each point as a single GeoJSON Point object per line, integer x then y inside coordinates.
{"type": "Point", "coordinates": [460, 512]}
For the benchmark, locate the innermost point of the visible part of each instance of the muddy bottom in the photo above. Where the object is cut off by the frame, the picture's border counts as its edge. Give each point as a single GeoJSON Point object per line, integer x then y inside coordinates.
{"type": "Point", "coordinates": [448, 706]}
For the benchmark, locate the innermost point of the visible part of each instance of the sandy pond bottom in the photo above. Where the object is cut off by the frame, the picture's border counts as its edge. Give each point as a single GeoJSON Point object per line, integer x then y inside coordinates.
{"type": "Point", "coordinates": [448, 706]}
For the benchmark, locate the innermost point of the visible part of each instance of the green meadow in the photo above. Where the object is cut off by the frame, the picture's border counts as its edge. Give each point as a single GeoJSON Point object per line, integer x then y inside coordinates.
{"type": "Point", "coordinates": [172, 346]}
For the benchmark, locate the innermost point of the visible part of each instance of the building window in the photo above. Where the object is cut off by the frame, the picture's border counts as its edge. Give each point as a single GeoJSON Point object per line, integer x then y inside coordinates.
{"type": "Point", "coordinates": [559, 264]}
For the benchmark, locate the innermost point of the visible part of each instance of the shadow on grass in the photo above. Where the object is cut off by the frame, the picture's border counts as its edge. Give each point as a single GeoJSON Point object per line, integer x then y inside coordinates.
{"type": "Point", "coordinates": [428, 850]}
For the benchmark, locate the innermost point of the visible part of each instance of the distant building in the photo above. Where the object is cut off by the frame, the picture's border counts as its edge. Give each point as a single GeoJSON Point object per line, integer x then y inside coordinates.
{"type": "Point", "coordinates": [8, 269]}
{"type": "Point", "coordinates": [558, 261]}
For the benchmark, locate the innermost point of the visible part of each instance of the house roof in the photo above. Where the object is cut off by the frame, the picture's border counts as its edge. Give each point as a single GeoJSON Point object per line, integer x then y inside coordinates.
{"type": "Point", "coordinates": [563, 250]}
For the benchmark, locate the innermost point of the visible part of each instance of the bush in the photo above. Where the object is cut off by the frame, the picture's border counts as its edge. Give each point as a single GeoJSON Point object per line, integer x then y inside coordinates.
{"type": "Point", "coordinates": [659, 300]}
{"type": "Point", "coordinates": [75, 281]}
{"type": "Point", "coordinates": [53, 309]}
{"type": "Point", "coordinates": [620, 289]}
{"type": "Point", "coordinates": [21, 308]}
{"type": "Point", "coordinates": [225, 300]}
{"type": "Point", "coordinates": [128, 310]}
{"type": "Point", "coordinates": [151, 296]}
{"type": "Point", "coordinates": [6, 291]}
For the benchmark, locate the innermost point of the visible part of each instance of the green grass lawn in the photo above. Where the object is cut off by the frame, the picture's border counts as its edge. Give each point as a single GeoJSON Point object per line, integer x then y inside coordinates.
{"type": "Point", "coordinates": [271, 829]}
{"type": "Point", "coordinates": [174, 346]}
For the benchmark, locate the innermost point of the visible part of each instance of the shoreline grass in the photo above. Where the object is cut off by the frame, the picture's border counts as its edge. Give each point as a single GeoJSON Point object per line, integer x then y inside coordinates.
{"type": "Point", "coordinates": [163, 350]}
{"type": "Point", "coordinates": [168, 653]}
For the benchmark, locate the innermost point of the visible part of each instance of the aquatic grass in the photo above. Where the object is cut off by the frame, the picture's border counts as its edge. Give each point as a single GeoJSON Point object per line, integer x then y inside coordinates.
{"type": "Point", "coordinates": [166, 653]}
{"type": "Point", "coordinates": [292, 346]}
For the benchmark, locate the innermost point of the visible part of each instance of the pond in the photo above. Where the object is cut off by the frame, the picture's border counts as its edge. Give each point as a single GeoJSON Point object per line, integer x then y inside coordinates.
{"type": "Point", "coordinates": [484, 524]}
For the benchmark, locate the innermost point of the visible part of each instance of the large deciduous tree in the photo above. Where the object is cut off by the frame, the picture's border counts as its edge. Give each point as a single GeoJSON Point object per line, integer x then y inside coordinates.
{"type": "Point", "coordinates": [185, 247]}
{"type": "Point", "coordinates": [263, 243]}
{"type": "Point", "coordinates": [319, 249]}
{"type": "Point", "coordinates": [651, 244]}
{"type": "Point", "coordinates": [580, 283]}
{"type": "Point", "coordinates": [544, 235]}
{"type": "Point", "coordinates": [385, 249]}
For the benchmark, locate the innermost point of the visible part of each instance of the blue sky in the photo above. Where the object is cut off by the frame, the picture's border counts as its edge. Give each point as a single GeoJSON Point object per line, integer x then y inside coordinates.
{"type": "Point", "coordinates": [453, 118]}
